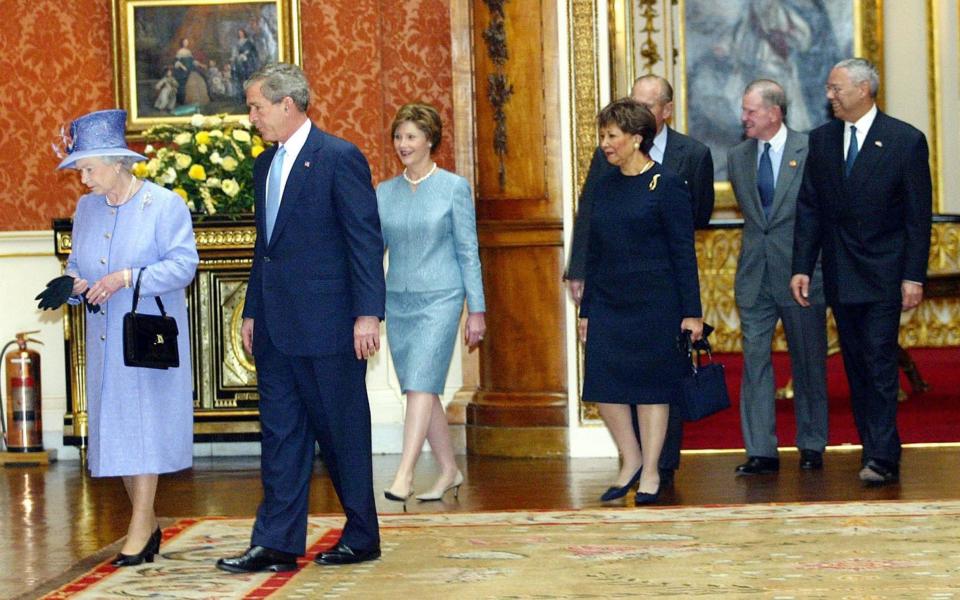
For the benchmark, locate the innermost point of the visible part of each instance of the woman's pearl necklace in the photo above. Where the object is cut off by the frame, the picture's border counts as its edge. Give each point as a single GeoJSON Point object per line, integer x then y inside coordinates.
{"type": "Point", "coordinates": [421, 179]}
{"type": "Point", "coordinates": [126, 196]}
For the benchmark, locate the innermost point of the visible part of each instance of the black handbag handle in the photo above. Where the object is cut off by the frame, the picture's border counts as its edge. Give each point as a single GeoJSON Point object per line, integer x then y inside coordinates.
{"type": "Point", "coordinates": [136, 295]}
{"type": "Point", "coordinates": [701, 347]}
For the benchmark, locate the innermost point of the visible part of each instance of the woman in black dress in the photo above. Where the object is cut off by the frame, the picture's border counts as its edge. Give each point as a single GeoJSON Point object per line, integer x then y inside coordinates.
{"type": "Point", "coordinates": [641, 291]}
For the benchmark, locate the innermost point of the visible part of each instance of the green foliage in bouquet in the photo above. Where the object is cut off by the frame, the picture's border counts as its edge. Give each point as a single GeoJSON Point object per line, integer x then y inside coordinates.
{"type": "Point", "coordinates": [208, 162]}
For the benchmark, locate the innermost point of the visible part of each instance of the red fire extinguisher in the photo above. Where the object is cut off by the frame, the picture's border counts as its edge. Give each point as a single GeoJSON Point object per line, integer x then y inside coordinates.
{"type": "Point", "coordinates": [24, 429]}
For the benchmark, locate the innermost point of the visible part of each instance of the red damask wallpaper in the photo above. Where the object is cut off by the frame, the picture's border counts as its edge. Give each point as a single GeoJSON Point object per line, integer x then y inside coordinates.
{"type": "Point", "coordinates": [364, 58]}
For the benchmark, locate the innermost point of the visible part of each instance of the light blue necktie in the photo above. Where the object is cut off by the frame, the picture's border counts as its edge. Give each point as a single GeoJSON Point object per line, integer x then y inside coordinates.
{"type": "Point", "coordinates": [765, 183]}
{"type": "Point", "coordinates": [852, 150]}
{"type": "Point", "coordinates": [273, 190]}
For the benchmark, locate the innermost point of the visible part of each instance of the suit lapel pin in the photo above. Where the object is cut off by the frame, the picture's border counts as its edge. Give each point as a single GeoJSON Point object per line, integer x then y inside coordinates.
{"type": "Point", "coordinates": [793, 164]}
{"type": "Point", "coordinates": [306, 165]}
{"type": "Point", "coordinates": [878, 143]}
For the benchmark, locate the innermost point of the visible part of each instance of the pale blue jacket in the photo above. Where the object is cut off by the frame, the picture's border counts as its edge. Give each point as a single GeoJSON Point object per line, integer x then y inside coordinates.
{"type": "Point", "coordinates": [431, 236]}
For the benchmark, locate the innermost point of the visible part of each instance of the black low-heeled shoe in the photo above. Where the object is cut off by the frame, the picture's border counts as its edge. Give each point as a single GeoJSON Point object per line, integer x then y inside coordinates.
{"type": "Point", "coordinates": [643, 498]}
{"type": "Point", "coordinates": [151, 548]}
{"type": "Point", "coordinates": [615, 492]}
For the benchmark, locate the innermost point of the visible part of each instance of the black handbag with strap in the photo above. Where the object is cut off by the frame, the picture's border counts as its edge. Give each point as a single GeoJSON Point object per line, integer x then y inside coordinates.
{"type": "Point", "coordinates": [705, 388]}
{"type": "Point", "coordinates": [149, 341]}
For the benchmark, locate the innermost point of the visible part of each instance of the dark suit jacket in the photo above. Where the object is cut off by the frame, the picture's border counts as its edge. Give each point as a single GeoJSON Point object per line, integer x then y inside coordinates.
{"type": "Point", "coordinates": [873, 226]}
{"type": "Point", "coordinates": [323, 267]}
{"type": "Point", "coordinates": [684, 155]}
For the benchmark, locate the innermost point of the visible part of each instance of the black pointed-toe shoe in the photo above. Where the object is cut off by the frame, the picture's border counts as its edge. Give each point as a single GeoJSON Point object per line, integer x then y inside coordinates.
{"type": "Point", "coordinates": [151, 548]}
{"type": "Point", "coordinates": [811, 460]}
{"type": "Point", "coordinates": [614, 492]}
{"type": "Point", "coordinates": [342, 554]}
{"type": "Point", "coordinates": [759, 465]}
{"type": "Point", "coordinates": [258, 558]}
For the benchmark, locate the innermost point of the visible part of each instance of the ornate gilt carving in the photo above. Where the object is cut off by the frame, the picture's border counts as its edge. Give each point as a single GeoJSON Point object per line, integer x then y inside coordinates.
{"type": "Point", "coordinates": [649, 51]}
{"type": "Point", "coordinates": [499, 89]}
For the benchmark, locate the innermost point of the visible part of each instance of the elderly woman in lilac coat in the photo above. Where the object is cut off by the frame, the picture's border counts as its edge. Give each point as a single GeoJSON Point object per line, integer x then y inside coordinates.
{"type": "Point", "coordinates": [140, 420]}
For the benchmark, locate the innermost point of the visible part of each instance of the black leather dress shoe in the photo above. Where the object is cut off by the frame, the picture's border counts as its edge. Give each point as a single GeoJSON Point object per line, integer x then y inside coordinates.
{"type": "Point", "coordinates": [342, 554]}
{"type": "Point", "coordinates": [759, 465]}
{"type": "Point", "coordinates": [875, 472]}
{"type": "Point", "coordinates": [258, 558]}
{"type": "Point", "coordinates": [811, 460]}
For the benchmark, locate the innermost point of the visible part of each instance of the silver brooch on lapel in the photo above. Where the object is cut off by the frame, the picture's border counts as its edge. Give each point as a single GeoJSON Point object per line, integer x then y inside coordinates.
{"type": "Point", "coordinates": [878, 143]}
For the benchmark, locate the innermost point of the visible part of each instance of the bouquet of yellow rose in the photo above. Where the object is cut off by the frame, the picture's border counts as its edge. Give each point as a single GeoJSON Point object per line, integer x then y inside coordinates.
{"type": "Point", "coordinates": [208, 162]}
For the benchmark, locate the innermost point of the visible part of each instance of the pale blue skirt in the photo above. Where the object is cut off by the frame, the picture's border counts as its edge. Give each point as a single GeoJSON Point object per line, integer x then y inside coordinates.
{"type": "Point", "coordinates": [422, 328]}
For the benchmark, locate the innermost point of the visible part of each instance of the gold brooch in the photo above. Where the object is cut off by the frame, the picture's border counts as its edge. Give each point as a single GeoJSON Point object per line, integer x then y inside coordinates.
{"type": "Point", "coordinates": [793, 164]}
{"type": "Point", "coordinates": [653, 182]}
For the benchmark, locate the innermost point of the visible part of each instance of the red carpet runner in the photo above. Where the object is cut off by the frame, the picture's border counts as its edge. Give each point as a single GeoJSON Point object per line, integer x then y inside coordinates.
{"type": "Point", "coordinates": [932, 416]}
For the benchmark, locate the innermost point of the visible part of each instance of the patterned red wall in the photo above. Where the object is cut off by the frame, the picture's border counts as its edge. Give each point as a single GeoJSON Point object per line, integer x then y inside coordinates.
{"type": "Point", "coordinates": [364, 58]}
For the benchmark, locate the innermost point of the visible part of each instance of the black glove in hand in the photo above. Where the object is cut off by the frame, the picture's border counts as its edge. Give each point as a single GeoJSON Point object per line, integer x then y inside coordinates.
{"type": "Point", "coordinates": [91, 308]}
{"type": "Point", "coordinates": [56, 294]}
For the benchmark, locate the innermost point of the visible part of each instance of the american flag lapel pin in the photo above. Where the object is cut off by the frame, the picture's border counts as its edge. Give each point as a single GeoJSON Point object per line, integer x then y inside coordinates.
{"type": "Point", "coordinates": [878, 143]}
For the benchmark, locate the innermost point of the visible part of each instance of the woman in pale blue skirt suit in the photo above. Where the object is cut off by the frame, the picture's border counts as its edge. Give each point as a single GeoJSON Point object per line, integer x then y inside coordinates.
{"type": "Point", "coordinates": [429, 228]}
{"type": "Point", "coordinates": [141, 420]}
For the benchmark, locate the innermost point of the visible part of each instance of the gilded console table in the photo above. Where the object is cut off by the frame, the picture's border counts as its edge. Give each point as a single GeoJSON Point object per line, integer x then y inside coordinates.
{"type": "Point", "coordinates": [224, 379]}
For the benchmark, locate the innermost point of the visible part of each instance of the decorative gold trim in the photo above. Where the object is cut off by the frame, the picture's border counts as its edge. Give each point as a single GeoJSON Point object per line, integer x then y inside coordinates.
{"type": "Point", "coordinates": [584, 82]}
{"type": "Point", "coordinates": [934, 100]}
{"type": "Point", "coordinates": [226, 239]}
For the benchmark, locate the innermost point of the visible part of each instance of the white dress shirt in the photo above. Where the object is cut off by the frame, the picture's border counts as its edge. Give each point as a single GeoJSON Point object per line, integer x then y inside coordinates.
{"type": "Point", "coordinates": [292, 146]}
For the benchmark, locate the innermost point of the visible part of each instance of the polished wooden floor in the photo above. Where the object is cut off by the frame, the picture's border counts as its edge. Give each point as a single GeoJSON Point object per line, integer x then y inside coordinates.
{"type": "Point", "coordinates": [52, 517]}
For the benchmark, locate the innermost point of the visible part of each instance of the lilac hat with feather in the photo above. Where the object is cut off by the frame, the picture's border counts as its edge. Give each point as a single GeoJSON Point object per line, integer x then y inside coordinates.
{"type": "Point", "coordinates": [99, 133]}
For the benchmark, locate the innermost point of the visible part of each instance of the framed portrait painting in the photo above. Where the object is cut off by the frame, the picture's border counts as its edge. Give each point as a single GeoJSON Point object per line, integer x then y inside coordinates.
{"type": "Point", "coordinates": [177, 58]}
{"type": "Point", "coordinates": [711, 50]}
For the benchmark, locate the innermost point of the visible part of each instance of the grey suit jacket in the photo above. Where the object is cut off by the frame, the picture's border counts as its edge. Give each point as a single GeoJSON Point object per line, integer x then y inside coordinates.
{"type": "Point", "coordinates": [767, 246]}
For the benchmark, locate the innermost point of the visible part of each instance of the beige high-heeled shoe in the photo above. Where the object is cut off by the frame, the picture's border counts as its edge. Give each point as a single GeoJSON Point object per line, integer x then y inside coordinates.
{"type": "Point", "coordinates": [434, 496]}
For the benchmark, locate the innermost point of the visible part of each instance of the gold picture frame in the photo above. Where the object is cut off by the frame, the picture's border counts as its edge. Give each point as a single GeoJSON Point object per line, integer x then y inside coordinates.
{"type": "Point", "coordinates": [176, 58]}
{"type": "Point", "coordinates": [651, 36]}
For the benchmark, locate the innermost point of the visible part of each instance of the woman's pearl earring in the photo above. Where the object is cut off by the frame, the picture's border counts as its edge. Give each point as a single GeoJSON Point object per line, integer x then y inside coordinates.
{"type": "Point", "coordinates": [636, 145]}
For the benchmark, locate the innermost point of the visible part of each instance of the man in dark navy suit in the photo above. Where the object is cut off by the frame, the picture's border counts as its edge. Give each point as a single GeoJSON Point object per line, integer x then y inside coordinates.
{"type": "Point", "coordinates": [865, 203]}
{"type": "Point", "coordinates": [684, 156]}
{"type": "Point", "coordinates": [311, 318]}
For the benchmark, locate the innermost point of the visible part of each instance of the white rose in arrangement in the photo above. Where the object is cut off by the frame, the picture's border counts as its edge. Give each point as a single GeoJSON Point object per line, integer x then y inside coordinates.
{"type": "Point", "coordinates": [215, 158]}
{"type": "Point", "coordinates": [212, 121]}
{"type": "Point", "coordinates": [229, 163]}
{"type": "Point", "coordinates": [169, 176]}
{"type": "Point", "coordinates": [197, 120]}
{"type": "Point", "coordinates": [241, 136]}
{"type": "Point", "coordinates": [230, 187]}
{"type": "Point", "coordinates": [183, 160]}
{"type": "Point", "coordinates": [182, 138]}
{"type": "Point", "coordinates": [213, 182]}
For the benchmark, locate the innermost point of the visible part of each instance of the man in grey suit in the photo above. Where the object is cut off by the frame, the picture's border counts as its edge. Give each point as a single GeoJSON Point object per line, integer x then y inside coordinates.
{"type": "Point", "coordinates": [766, 171]}
{"type": "Point", "coordinates": [686, 157]}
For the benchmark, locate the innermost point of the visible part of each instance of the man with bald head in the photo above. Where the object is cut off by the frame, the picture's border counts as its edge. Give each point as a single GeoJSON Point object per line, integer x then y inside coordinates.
{"type": "Point", "coordinates": [765, 171]}
{"type": "Point", "coordinates": [678, 153]}
{"type": "Point", "coordinates": [865, 204]}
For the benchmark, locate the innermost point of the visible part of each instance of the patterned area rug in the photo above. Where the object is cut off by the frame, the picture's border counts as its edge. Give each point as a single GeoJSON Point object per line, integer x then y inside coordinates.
{"type": "Point", "coordinates": [785, 551]}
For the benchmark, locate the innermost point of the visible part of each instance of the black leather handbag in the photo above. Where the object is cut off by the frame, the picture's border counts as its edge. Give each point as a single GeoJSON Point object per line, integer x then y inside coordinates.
{"type": "Point", "coordinates": [149, 341]}
{"type": "Point", "coordinates": [705, 388]}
